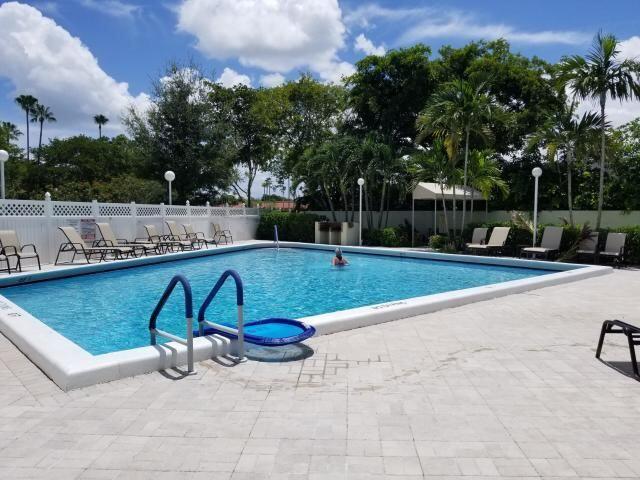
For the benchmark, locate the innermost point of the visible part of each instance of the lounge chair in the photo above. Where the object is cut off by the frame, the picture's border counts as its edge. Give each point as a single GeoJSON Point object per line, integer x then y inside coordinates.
{"type": "Point", "coordinates": [77, 245]}
{"type": "Point", "coordinates": [164, 242]}
{"type": "Point", "coordinates": [175, 234]}
{"type": "Point", "coordinates": [550, 244]}
{"type": "Point", "coordinates": [633, 337]}
{"type": "Point", "coordinates": [496, 242]}
{"type": "Point", "coordinates": [11, 247]}
{"type": "Point", "coordinates": [588, 247]}
{"type": "Point", "coordinates": [219, 233]}
{"type": "Point", "coordinates": [109, 240]}
{"type": "Point", "coordinates": [479, 236]}
{"type": "Point", "coordinates": [191, 233]}
{"type": "Point", "coordinates": [614, 248]}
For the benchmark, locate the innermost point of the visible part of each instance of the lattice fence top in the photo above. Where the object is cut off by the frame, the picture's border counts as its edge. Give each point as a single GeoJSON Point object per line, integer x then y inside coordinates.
{"type": "Point", "coordinates": [22, 208]}
{"type": "Point", "coordinates": [114, 209]}
{"type": "Point", "coordinates": [70, 209]}
{"type": "Point", "coordinates": [148, 210]}
{"type": "Point", "coordinates": [218, 211]}
{"type": "Point", "coordinates": [199, 211]}
{"type": "Point", "coordinates": [236, 211]}
{"type": "Point", "coordinates": [176, 211]}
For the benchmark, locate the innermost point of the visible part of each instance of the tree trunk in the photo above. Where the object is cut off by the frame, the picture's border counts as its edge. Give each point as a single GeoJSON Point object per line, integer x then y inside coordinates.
{"type": "Point", "coordinates": [464, 181]}
{"type": "Point", "coordinates": [471, 212]}
{"type": "Point", "coordinates": [569, 192]}
{"type": "Point", "coordinates": [444, 209]}
{"type": "Point", "coordinates": [100, 131]}
{"type": "Point", "coordinates": [343, 191]}
{"type": "Point", "coordinates": [381, 210]}
{"type": "Point", "coordinates": [603, 100]}
{"type": "Point", "coordinates": [40, 142]}
{"type": "Point", "coordinates": [455, 208]}
{"type": "Point", "coordinates": [330, 202]}
{"type": "Point", "coordinates": [27, 115]}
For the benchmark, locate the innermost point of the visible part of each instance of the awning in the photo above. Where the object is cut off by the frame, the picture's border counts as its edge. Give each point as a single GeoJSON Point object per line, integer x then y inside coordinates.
{"type": "Point", "coordinates": [431, 191]}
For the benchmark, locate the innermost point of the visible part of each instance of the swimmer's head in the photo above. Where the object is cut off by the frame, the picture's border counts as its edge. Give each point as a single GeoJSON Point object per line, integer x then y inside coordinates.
{"type": "Point", "coordinates": [338, 253]}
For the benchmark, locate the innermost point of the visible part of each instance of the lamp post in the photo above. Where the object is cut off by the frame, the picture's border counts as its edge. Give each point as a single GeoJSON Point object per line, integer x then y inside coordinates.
{"type": "Point", "coordinates": [536, 172]}
{"type": "Point", "coordinates": [4, 156]}
{"type": "Point", "coordinates": [360, 184]}
{"type": "Point", "coordinates": [169, 176]}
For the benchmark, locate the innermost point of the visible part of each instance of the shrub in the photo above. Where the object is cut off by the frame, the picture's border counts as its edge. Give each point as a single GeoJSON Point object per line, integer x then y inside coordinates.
{"type": "Point", "coordinates": [438, 242]}
{"type": "Point", "coordinates": [387, 237]}
{"type": "Point", "coordinates": [292, 226]}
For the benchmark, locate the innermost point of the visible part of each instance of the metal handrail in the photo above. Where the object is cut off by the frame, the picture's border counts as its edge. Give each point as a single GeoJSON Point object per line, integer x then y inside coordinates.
{"type": "Point", "coordinates": [239, 302]}
{"type": "Point", "coordinates": [188, 313]}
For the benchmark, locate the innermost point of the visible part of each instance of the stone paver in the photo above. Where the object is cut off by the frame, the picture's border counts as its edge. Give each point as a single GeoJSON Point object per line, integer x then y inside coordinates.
{"type": "Point", "coordinates": [507, 388]}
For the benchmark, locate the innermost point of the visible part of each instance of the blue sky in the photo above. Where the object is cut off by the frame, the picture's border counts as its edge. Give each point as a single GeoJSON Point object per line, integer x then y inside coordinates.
{"type": "Point", "coordinates": [123, 44]}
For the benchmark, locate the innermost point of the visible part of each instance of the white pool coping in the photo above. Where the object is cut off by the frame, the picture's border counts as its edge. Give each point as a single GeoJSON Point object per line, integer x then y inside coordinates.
{"type": "Point", "coordinates": [70, 366]}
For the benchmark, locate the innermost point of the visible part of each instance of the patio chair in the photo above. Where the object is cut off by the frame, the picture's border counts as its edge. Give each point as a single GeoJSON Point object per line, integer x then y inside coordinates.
{"type": "Point", "coordinates": [633, 338]}
{"type": "Point", "coordinates": [163, 242]}
{"type": "Point", "coordinates": [109, 240]}
{"type": "Point", "coordinates": [478, 237]}
{"type": "Point", "coordinates": [78, 246]}
{"type": "Point", "coordinates": [496, 242]}
{"type": "Point", "coordinates": [175, 234]}
{"type": "Point", "coordinates": [614, 248]}
{"type": "Point", "coordinates": [191, 233]}
{"type": "Point", "coordinates": [588, 248]}
{"type": "Point", "coordinates": [11, 247]}
{"type": "Point", "coordinates": [219, 233]}
{"type": "Point", "coordinates": [550, 244]}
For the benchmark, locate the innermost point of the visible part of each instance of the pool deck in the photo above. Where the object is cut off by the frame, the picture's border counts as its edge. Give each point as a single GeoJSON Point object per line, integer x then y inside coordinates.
{"type": "Point", "coordinates": [505, 388]}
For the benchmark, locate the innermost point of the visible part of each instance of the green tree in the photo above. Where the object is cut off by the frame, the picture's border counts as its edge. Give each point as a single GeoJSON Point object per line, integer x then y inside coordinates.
{"type": "Point", "coordinates": [100, 120]}
{"type": "Point", "coordinates": [564, 134]}
{"type": "Point", "coordinates": [599, 75]}
{"type": "Point", "coordinates": [41, 114]}
{"type": "Point", "coordinates": [27, 104]}
{"type": "Point", "coordinates": [458, 109]}
{"type": "Point", "coordinates": [485, 175]}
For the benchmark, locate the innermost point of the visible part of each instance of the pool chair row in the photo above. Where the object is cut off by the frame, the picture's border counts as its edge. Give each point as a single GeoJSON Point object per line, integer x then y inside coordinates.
{"type": "Point", "coordinates": [12, 251]}
{"type": "Point", "coordinates": [111, 247]}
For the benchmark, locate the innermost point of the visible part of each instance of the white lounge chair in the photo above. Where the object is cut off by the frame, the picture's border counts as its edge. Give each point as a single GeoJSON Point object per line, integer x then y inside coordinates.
{"type": "Point", "coordinates": [77, 245]}
{"type": "Point", "coordinates": [164, 243]}
{"type": "Point", "coordinates": [109, 240]}
{"type": "Point", "coordinates": [11, 247]}
{"type": "Point", "coordinates": [614, 248]}
{"type": "Point", "coordinates": [478, 237]}
{"type": "Point", "coordinates": [550, 243]}
{"type": "Point", "coordinates": [192, 234]}
{"type": "Point", "coordinates": [220, 233]}
{"type": "Point", "coordinates": [496, 242]}
{"type": "Point", "coordinates": [175, 234]}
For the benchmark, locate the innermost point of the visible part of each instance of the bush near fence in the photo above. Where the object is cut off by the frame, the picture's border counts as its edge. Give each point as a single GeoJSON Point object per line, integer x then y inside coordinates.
{"type": "Point", "coordinates": [292, 226]}
{"type": "Point", "coordinates": [519, 236]}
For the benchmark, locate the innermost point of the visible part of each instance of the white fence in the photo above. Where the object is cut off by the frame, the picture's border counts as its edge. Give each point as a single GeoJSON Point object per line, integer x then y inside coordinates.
{"type": "Point", "coordinates": [37, 221]}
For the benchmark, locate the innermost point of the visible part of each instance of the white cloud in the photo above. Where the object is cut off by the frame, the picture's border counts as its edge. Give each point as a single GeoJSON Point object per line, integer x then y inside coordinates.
{"type": "Point", "coordinates": [113, 8]}
{"type": "Point", "coordinates": [274, 35]}
{"type": "Point", "coordinates": [363, 44]}
{"type": "Point", "coordinates": [272, 80]}
{"type": "Point", "coordinates": [363, 15]}
{"type": "Point", "coordinates": [42, 59]}
{"type": "Point", "coordinates": [231, 78]}
{"type": "Point", "coordinates": [458, 24]}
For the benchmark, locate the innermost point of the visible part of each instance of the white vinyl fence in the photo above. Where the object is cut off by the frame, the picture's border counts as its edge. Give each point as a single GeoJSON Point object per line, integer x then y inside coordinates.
{"type": "Point", "coordinates": [37, 221]}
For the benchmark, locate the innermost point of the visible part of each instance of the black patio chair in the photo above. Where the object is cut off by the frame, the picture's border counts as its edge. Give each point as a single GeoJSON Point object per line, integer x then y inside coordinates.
{"type": "Point", "coordinates": [633, 336]}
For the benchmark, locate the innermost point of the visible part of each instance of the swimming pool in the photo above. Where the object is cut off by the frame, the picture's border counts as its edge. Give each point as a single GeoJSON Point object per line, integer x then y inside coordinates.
{"type": "Point", "coordinates": [88, 324]}
{"type": "Point", "coordinates": [107, 312]}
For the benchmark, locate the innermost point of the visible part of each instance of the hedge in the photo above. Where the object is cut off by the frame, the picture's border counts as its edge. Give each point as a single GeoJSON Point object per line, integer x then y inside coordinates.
{"type": "Point", "coordinates": [292, 226]}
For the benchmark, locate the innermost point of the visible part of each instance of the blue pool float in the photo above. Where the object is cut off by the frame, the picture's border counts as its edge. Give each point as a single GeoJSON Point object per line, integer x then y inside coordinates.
{"type": "Point", "coordinates": [270, 332]}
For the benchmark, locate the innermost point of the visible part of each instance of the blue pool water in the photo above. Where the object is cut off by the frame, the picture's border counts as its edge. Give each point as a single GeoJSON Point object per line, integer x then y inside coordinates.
{"type": "Point", "coordinates": [106, 312]}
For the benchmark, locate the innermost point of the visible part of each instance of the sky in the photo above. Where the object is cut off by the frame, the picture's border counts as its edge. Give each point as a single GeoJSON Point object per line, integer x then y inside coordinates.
{"type": "Point", "coordinates": [85, 57]}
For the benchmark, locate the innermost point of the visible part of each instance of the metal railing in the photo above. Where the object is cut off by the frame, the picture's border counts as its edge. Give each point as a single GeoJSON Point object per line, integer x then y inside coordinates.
{"type": "Point", "coordinates": [238, 332]}
{"type": "Point", "coordinates": [188, 313]}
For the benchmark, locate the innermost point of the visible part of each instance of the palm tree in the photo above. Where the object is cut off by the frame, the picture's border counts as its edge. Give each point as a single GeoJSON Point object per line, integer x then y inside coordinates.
{"type": "Point", "coordinates": [100, 120]}
{"type": "Point", "coordinates": [27, 103]}
{"type": "Point", "coordinates": [461, 107]}
{"type": "Point", "coordinates": [10, 131]}
{"type": "Point", "coordinates": [564, 132]}
{"type": "Point", "coordinates": [41, 114]}
{"type": "Point", "coordinates": [596, 76]}
{"type": "Point", "coordinates": [485, 176]}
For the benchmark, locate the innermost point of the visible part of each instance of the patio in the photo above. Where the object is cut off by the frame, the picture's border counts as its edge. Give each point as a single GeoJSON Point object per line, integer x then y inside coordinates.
{"type": "Point", "coordinates": [504, 388]}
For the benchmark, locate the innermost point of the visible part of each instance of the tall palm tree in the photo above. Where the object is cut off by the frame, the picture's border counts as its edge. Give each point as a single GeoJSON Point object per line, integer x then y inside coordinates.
{"type": "Point", "coordinates": [42, 114]}
{"type": "Point", "coordinates": [27, 103]}
{"type": "Point", "coordinates": [485, 175]}
{"type": "Point", "coordinates": [465, 106]}
{"type": "Point", "coordinates": [10, 131]}
{"type": "Point", "coordinates": [598, 75]}
{"type": "Point", "coordinates": [100, 121]}
{"type": "Point", "coordinates": [563, 132]}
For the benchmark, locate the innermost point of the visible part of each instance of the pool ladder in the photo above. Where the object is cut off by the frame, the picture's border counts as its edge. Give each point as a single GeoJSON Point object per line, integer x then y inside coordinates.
{"type": "Point", "coordinates": [202, 322]}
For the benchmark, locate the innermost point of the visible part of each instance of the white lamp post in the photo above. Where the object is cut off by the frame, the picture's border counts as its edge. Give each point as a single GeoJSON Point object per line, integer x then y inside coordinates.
{"type": "Point", "coordinates": [360, 184]}
{"type": "Point", "coordinates": [169, 176]}
{"type": "Point", "coordinates": [536, 172]}
{"type": "Point", "coordinates": [4, 156]}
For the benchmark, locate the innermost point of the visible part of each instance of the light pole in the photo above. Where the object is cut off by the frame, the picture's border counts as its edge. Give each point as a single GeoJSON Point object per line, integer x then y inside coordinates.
{"type": "Point", "coordinates": [360, 184]}
{"type": "Point", "coordinates": [169, 176]}
{"type": "Point", "coordinates": [4, 156]}
{"type": "Point", "coordinates": [536, 172]}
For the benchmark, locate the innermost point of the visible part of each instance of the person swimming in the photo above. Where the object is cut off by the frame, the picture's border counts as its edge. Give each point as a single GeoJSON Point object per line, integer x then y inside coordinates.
{"type": "Point", "coordinates": [339, 260]}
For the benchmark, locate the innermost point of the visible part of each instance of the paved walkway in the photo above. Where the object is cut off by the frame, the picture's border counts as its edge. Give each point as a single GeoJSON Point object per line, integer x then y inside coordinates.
{"type": "Point", "coordinates": [505, 388]}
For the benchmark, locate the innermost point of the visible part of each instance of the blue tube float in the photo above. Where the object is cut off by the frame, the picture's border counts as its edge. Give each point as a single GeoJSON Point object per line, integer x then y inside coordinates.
{"type": "Point", "coordinates": [270, 332]}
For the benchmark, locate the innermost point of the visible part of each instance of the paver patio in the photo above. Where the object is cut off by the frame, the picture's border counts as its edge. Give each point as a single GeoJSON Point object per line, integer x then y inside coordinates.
{"type": "Point", "coordinates": [505, 388]}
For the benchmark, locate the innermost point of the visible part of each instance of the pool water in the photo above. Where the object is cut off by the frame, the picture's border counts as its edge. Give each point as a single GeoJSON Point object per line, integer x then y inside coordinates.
{"type": "Point", "coordinates": [109, 311]}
